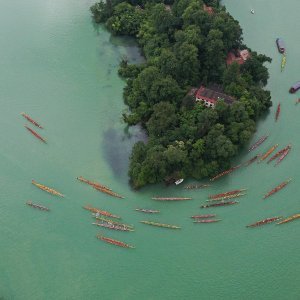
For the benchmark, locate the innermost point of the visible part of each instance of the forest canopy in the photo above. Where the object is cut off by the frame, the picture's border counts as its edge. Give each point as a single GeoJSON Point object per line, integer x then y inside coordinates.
{"type": "Point", "coordinates": [185, 43]}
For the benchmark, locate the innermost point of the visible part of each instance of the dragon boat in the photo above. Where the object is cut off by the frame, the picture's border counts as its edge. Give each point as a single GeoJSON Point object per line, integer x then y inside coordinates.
{"type": "Point", "coordinates": [207, 221]}
{"type": "Point", "coordinates": [289, 219]}
{"type": "Point", "coordinates": [264, 222]}
{"type": "Point", "coordinates": [160, 225]}
{"type": "Point", "coordinates": [277, 188]}
{"type": "Point", "coordinates": [38, 206]}
{"type": "Point", "coordinates": [203, 216]}
{"type": "Point", "coordinates": [47, 189]}
{"type": "Point", "coordinates": [268, 153]}
{"type": "Point", "coordinates": [148, 211]}
{"type": "Point", "coordinates": [258, 142]}
{"type": "Point", "coordinates": [219, 204]}
{"type": "Point", "coordinates": [171, 198]}
{"type": "Point", "coordinates": [113, 242]}
{"type": "Point", "coordinates": [31, 120]}
{"type": "Point", "coordinates": [92, 183]}
{"type": "Point", "coordinates": [98, 212]}
{"type": "Point", "coordinates": [35, 134]}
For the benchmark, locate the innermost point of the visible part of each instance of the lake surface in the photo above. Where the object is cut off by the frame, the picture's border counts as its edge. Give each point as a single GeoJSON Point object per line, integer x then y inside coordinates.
{"type": "Point", "coordinates": [62, 70]}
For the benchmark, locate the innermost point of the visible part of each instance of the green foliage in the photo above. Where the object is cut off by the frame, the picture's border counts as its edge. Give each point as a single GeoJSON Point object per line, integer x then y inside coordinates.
{"type": "Point", "coordinates": [185, 46]}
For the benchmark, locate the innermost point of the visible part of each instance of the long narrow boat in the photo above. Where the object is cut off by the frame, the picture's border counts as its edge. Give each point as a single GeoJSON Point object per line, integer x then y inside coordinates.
{"type": "Point", "coordinates": [251, 160]}
{"type": "Point", "coordinates": [196, 186]}
{"type": "Point", "coordinates": [219, 204]}
{"type": "Point", "coordinates": [35, 134]}
{"type": "Point", "coordinates": [92, 183]}
{"type": "Point", "coordinates": [31, 120]}
{"type": "Point", "coordinates": [171, 198]}
{"type": "Point", "coordinates": [258, 142]}
{"type": "Point", "coordinates": [160, 225]}
{"type": "Point", "coordinates": [203, 216]}
{"type": "Point", "coordinates": [47, 189]}
{"type": "Point", "coordinates": [268, 153]}
{"type": "Point", "coordinates": [100, 212]}
{"type": "Point", "coordinates": [264, 222]}
{"type": "Point", "coordinates": [38, 206]}
{"type": "Point", "coordinates": [109, 221]}
{"type": "Point", "coordinates": [280, 159]}
{"type": "Point", "coordinates": [109, 192]}
{"type": "Point", "coordinates": [225, 172]}
{"type": "Point", "coordinates": [227, 197]}
{"type": "Point", "coordinates": [277, 188]}
{"type": "Point", "coordinates": [226, 193]}
{"type": "Point", "coordinates": [113, 242]}
{"type": "Point", "coordinates": [112, 226]}
{"type": "Point", "coordinates": [277, 112]}
{"type": "Point", "coordinates": [283, 62]}
{"type": "Point", "coordinates": [279, 153]}
{"type": "Point", "coordinates": [289, 219]}
{"type": "Point", "coordinates": [207, 221]}
{"type": "Point", "coordinates": [148, 211]}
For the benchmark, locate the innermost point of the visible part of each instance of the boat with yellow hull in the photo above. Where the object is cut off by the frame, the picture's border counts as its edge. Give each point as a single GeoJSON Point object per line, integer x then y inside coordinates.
{"type": "Point", "coordinates": [47, 189]}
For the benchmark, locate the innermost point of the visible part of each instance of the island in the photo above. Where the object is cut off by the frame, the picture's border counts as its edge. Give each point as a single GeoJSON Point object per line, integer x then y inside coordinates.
{"type": "Point", "coordinates": [199, 93]}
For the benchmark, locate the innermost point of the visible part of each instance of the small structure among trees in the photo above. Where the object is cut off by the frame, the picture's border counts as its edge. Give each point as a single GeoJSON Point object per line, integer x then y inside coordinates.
{"type": "Point", "coordinates": [210, 97]}
{"type": "Point", "coordinates": [239, 56]}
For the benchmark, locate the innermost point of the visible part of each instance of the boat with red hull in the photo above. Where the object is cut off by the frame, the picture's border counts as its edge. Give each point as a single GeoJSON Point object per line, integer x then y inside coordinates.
{"type": "Point", "coordinates": [31, 120]}
{"type": "Point", "coordinates": [35, 134]}
{"type": "Point", "coordinates": [113, 242]}
{"type": "Point", "coordinates": [258, 142]}
{"type": "Point", "coordinates": [219, 204]}
{"type": "Point", "coordinates": [226, 193]}
{"type": "Point", "coordinates": [264, 222]}
{"type": "Point", "coordinates": [277, 112]}
{"type": "Point", "coordinates": [278, 188]}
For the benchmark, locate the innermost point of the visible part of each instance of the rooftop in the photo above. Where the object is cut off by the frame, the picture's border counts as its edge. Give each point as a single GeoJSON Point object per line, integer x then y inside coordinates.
{"type": "Point", "coordinates": [213, 95]}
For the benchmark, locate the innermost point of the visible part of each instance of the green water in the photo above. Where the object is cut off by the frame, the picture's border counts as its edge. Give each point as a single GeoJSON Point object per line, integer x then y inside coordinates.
{"type": "Point", "coordinates": [60, 69]}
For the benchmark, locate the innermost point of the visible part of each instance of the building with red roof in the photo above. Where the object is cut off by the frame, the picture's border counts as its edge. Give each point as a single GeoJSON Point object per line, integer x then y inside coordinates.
{"type": "Point", "coordinates": [240, 57]}
{"type": "Point", "coordinates": [210, 97]}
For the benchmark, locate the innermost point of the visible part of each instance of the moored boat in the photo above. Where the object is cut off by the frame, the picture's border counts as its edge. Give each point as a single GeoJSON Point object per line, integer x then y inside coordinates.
{"type": "Point", "coordinates": [277, 112]}
{"type": "Point", "coordinates": [279, 153]}
{"type": "Point", "coordinates": [100, 212]}
{"type": "Point", "coordinates": [207, 221]}
{"type": "Point", "coordinates": [264, 222]}
{"type": "Point", "coordinates": [38, 206]}
{"type": "Point", "coordinates": [148, 211]}
{"type": "Point", "coordinates": [47, 189]}
{"type": "Point", "coordinates": [281, 158]}
{"type": "Point", "coordinates": [160, 225]}
{"type": "Point", "coordinates": [31, 120]}
{"type": "Point", "coordinates": [203, 216]}
{"type": "Point", "coordinates": [113, 242]}
{"type": "Point", "coordinates": [251, 160]}
{"type": "Point", "coordinates": [283, 62]}
{"type": "Point", "coordinates": [295, 87]}
{"type": "Point", "coordinates": [179, 181]}
{"type": "Point", "coordinates": [219, 204]}
{"type": "Point", "coordinates": [289, 219]}
{"type": "Point", "coordinates": [268, 153]}
{"type": "Point", "coordinates": [196, 186]}
{"type": "Point", "coordinates": [225, 172]}
{"type": "Point", "coordinates": [277, 188]}
{"type": "Point", "coordinates": [35, 134]}
{"type": "Point", "coordinates": [258, 142]}
{"type": "Point", "coordinates": [280, 45]}
{"type": "Point", "coordinates": [171, 198]}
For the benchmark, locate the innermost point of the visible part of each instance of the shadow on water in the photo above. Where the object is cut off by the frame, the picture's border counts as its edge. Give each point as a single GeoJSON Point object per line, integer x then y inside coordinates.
{"type": "Point", "coordinates": [117, 148]}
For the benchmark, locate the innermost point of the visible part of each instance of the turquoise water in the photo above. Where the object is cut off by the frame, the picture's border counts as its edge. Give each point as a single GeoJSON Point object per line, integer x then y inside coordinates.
{"type": "Point", "coordinates": [62, 70]}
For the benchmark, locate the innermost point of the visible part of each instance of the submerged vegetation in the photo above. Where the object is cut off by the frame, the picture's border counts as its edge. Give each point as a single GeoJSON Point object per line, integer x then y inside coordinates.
{"type": "Point", "coordinates": [185, 43]}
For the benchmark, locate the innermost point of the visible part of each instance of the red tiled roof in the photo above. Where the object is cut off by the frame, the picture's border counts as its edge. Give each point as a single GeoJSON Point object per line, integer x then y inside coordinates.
{"type": "Point", "coordinates": [212, 96]}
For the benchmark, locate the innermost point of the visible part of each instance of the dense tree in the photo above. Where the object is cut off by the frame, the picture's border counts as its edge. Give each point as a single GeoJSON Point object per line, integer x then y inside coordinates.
{"type": "Point", "coordinates": [185, 46]}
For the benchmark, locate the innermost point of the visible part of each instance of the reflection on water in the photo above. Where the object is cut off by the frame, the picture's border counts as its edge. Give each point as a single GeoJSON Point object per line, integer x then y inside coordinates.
{"type": "Point", "coordinates": [117, 147]}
